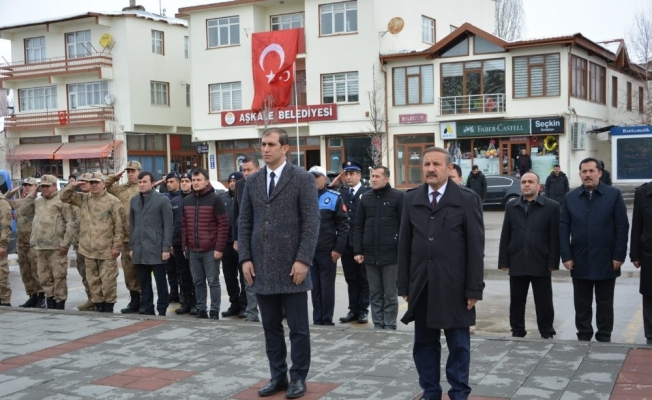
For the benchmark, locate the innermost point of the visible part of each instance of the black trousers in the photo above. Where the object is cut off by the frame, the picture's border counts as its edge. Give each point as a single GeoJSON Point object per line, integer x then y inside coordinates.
{"type": "Point", "coordinates": [322, 272]}
{"type": "Point", "coordinates": [542, 290]}
{"type": "Point", "coordinates": [231, 269]}
{"type": "Point", "coordinates": [171, 271]}
{"type": "Point", "coordinates": [647, 316]}
{"type": "Point", "coordinates": [145, 278]}
{"type": "Point", "coordinates": [604, 314]}
{"type": "Point", "coordinates": [356, 281]}
{"type": "Point", "coordinates": [183, 272]}
{"type": "Point", "coordinates": [296, 310]}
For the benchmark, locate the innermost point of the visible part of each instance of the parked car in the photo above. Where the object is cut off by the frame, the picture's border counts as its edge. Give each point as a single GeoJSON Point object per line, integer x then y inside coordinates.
{"type": "Point", "coordinates": [501, 189]}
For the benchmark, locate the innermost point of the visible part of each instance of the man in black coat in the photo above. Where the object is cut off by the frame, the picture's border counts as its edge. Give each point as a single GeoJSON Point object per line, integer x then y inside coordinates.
{"type": "Point", "coordinates": [557, 185]}
{"type": "Point", "coordinates": [593, 239]}
{"type": "Point", "coordinates": [606, 175]}
{"type": "Point", "coordinates": [641, 251]}
{"type": "Point", "coordinates": [375, 245]}
{"type": "Point", "coordinates": [183, 266]}
{"type": "Point", "coordinates": [477, 182]}
{"type": "Point", "coordinates": [529, 250]}
{"type": "Point", "coordinates": [523, 162]}
{"type": "Point", "coordinates": [440, 274]}
{"type": "Point", "coordinates": [172, 184]}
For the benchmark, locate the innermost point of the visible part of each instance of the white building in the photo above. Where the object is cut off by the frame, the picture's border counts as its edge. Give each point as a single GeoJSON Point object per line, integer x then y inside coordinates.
{"type": "Point", "coordinates": [94, 89]}
{"type": "Point", "coordinates": [338, 59]}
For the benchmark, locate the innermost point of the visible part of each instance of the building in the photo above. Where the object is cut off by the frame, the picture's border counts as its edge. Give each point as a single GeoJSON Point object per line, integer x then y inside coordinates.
{"type": "Point", "coordinates": [94, 89]}
{"type": "Point", "coordinates": [554, 97]}
{"type": "Point", "coordinates": [337, 67]}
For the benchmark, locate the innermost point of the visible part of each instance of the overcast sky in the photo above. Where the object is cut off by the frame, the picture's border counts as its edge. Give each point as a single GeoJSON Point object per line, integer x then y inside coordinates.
{"type": "Point", "coordinates": [596, 19]}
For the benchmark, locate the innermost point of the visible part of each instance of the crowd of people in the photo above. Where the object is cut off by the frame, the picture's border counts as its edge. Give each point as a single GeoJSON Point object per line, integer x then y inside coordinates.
{"type": "Point", "coordinates": [279, 232]}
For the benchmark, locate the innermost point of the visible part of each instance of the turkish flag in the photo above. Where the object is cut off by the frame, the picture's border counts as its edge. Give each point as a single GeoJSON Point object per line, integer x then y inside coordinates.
{"type": "Point", "coordinates": [273, 56]}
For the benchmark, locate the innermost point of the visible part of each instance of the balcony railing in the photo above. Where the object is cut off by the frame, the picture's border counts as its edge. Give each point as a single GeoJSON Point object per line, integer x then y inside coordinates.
{"type": "Point", "coordinates": [54, 66]}
{"type": "Point", "coordinates": [472, 104]}
{"type": "Point", "coordinates": [60, 119]}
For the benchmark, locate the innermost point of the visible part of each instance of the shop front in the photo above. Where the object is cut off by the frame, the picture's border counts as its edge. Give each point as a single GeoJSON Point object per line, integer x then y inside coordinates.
{"type": "Point", "coordinates": [495, 146]}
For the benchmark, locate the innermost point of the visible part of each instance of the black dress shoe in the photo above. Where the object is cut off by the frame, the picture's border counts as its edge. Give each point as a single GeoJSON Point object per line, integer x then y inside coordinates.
{"type": "Point", "coordinates": [350, 317]}
{"type": "Point", "coordinates": [274, 386]}
{"type": "Point", "coordinates": [242, 314]}
{"type": "Point", "coordinates": [231, 312]}
{"type": "Point", "coordinates": [363, 318]}
{"type": "Point", "coordinates": [296, 389]}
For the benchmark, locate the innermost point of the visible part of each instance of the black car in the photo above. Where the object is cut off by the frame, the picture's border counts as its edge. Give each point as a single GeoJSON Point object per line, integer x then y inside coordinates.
{"type": "Point", "coordinates": [502, 189]}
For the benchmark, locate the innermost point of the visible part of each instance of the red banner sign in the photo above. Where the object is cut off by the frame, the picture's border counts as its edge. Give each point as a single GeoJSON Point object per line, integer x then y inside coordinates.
{"type": "Point", "coordinates": [412, 118]}
{"type": "Point", "coordinates": [285, 115]}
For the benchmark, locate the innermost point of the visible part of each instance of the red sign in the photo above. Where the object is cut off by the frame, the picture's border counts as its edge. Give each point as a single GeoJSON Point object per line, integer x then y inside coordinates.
{"type": "Point", "coordinates": [412, 118]}
{"type": "Point", "coordinates": [285, 115]}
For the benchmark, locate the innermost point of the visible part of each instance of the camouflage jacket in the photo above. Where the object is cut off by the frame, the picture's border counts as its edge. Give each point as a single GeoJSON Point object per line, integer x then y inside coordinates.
{"type": "Point", "coordinates": [23, 221]}
{"type": "Point", "coordinates": [101, 221]}
{"type": "Point", "coordinates": [124, 193]}
{"type": "Point", "coordinates": [6, 219]}
{"type": "Point", "coordinates": [54, 224]}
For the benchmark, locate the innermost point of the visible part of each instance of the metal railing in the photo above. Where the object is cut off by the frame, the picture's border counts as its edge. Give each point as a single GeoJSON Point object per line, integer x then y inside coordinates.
{"type": "Point", "coordinates": [54, 66]}
{"type": "Point", "coordinates": [472, 104]}
{"type": "Point", "coordinates": [62, 119]}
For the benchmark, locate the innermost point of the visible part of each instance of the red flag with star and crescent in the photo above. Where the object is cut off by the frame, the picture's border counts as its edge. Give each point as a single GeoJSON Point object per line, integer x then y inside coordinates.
{"type": "Point", "coordinates": [273, 56]}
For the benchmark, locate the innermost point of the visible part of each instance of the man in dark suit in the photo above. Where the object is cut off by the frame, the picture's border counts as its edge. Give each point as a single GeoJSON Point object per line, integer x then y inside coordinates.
{"type": "Point", "coordinates": [440, 272]}
{"type": "Point", "coordinates": [277, 237]}
{"type": "Point", "coordinates": [524, 162]}
{"type": "Point", "coordinates": [641, 251]}
{"type": "Point", "coordinates": [529, 250]}
{"type": "Point", "coordinates": [355, 274]}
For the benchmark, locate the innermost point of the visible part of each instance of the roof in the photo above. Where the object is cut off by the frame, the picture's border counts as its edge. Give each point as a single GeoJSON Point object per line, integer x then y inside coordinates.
{"type": "Point", "coordinates": [92, 14]}
{"type": "Point", "coordinates": [201, 7]}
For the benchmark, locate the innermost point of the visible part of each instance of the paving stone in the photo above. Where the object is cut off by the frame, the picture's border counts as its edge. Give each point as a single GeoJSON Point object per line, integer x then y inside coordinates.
{"type": "Point", "coordinates": [17, 384]}
{"type": "Point", "coordinates": [527, 393]}
{"type": "Point", "coordinates": [498, 386]}
{"type": "Point", "coordinates": [389, 368]}
{"type": "Point", "coordinates": [515, 365]}
{"type": "Point", "coordinates": [31, 394]}
{"type": "Point", "coordinates": [588, 390]}
{"type": "Point", "coordinates": [486, 353]}
{"type": "Point", "coordinates": [359, 388]}
{"type": "Point", "coordinates": [608, 354]}
{"type": "Point", "coordinates": [541, 381]}
{"type": "Point", "coordinates": [597, 372]}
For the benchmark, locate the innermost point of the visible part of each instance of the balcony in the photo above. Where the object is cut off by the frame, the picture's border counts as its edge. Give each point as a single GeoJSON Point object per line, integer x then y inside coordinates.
{"type": "Point", "coordinates": [472, 104]}
{"type": "Point", "coordinates": [55, 66]}
{"type": "Point", "coordinates": [59, 119]}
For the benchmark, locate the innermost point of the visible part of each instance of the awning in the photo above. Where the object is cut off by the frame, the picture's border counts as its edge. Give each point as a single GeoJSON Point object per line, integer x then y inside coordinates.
{"type": "Point", "coordinates": [40, 151]}
{"type": "Point", "coordinates": [601, 129]}
{"type": "Point", "coordinates": [78, 150]}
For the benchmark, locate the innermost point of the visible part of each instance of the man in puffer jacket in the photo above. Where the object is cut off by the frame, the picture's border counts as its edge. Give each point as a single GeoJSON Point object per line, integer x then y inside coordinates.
{"type": "Point", "coordinates": [557, 185]}
{"type": "Point", "coordinates": [204, 226]}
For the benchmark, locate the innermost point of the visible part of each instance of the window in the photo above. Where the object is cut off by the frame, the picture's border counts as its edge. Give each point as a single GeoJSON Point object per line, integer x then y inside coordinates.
{"type": "Point", "coordinates": [41, 98]}
{"type": "Point", "coordinates": [35, 50]}
{"type": "Point", "coordinates": [597, 83]}
{"type": "Point", "coordinates": [459, 49]}
{"type": "Point", "coordinates": [299, 87]}
{"type": "Point", "coordinates": [427, 30]}
{"type": "Point", "coordinates": [225, 96]}
{"type": "Point", "coordinates": [287, 21]}
{"type": "Point", "coordinates": [483, 46]}
{"type": "Point", "coordinates": [87, 94]}
{"type": "Point", "coordinates": [340, 88]}
{"type": "Point", "coordinates": [186, 47]}
{"type": "Point", "coordinates": [614, 91]}
{"type": "Point", "coordinates": [578, 77]}
{"type": "Point", "coordinates": [408, 156]}
{"type": "Point", "coordinates": [641, 102]}
{"type": "Point", "coordinates": [339, 18]}
{"type": "Point", "coordinates": [473, 78]}
{"type": "Point", "coordinates": [159, 93]}
{"type": "Point", "coordinates": [157, 42]}
{"type": "Point", "coordinates": [414, 85]}
{"type": "Point", "coordinates": [629, 96]}
{"type": "Point", "coordinates": [187, 95]}
{"type": "Point", "coordinates": [536, 76]}
{"type": "Point", "coordinates": [223, 31]}
{"type": "Point", "coordinates": [78, 44]}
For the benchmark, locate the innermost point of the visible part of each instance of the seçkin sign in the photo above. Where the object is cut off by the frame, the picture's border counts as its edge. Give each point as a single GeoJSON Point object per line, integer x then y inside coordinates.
{"type": "Point", "coordinates": [284, 115]}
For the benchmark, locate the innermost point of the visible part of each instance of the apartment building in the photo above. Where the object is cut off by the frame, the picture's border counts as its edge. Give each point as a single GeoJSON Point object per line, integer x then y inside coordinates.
{"type": "Point", "coordinates": [337, 67]}
{"type": "Point", "coordinates": [95, 89]}
{"type": "Point", "coordinates": [554, 97]}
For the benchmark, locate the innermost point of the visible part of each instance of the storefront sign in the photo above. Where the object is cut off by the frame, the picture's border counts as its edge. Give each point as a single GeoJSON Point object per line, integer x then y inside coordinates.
{"type": "Point", "coordinates": [547, 125]}
{"type": "Point", "coordinates": [211, 161]}
{"type": "Point", "coordinates": [286, 115]}
{"type": "Point", "coordinates": [448, 130]}
{"type": "Point", "coordinates": [412, 118]}
{"type": "Point", "coordinates": [631, 130]}
{"type": "Point", "coordinates": [494, 128]}
{"type": "Point", "coordinates": [202, 149]}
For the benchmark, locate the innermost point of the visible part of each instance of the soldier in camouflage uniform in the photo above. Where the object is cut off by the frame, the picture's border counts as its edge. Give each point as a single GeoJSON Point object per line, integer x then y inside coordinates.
{"type": "Point", "coordinates": [100, 238]}
{"type": "Point", "coordinates": [6, 219]}
{"type": "Point", "coordinates": [124, 193]}
{"type": "Point", "coordinates": [53, 230]}
{"type": "Point", "coordinates": [26, 254]}
{"type": "Point", "coordinates": [81, 260]}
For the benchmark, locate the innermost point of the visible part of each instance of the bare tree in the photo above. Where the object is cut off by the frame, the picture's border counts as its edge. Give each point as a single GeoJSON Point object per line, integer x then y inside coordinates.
{"type": "Point", "coordinates": [379, 149]}
{"type": "Point", "coordinates": [268, 111]}
{"type": "Point", "coordinates": [8, 157]}
{"type": "Point", "coordinates": [115, 131]}
{"type": "Point", "coordinates": [510, 19]}
{"type": "Point", "coordinates": [640, 49]}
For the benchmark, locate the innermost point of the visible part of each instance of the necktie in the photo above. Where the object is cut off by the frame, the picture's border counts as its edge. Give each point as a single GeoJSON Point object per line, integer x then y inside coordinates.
{"type": "Point", "coordinates": [352, 193]}
{"type": "Point", "coordinates": [271, 183]}
{"type": "Point", "coordinates": [434, 199]}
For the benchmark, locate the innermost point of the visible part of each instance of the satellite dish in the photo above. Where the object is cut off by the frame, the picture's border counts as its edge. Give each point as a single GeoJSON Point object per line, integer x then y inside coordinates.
{"type": "Point", "coordinates": [395, 25]}
{"type": "Point", "coordinates": [105, 40]}
{"type": "Point", "coordinates": [109, 99]}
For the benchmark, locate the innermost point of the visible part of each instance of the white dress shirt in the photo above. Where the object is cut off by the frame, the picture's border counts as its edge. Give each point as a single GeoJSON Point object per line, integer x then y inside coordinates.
{"type": "Point", "coordinates": [441, 192]}
{"type": "Point", "coordinates": [278, 171]}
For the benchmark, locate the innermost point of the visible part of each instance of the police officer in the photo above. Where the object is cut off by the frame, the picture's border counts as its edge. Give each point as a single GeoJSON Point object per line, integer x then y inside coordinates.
{"type": "Point", "coordinates": [6, 219]}
{"type": "Point", "coordinates": [53, 230]}
{"type": "Point", "coordinates": [124, 193]}
{"type": "Point", "coordinates": [354, 273]}
{"type": "Point", "coordinates": [84, 187]}
{"type": "Point", "coordinates": [333, 235]}
{"type": "Point", "coordinates": [26, 254]}
{"type": "Point", "coordinates": [100, 238]}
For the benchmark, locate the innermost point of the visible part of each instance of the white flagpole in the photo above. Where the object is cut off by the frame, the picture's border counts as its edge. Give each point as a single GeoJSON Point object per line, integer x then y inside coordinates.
{"type": "Point", "coordinates": [296, 112]}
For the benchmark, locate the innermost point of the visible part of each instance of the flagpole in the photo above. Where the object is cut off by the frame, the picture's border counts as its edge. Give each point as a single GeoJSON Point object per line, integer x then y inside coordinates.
{"type": "Point", "coordinates": [296, 112]}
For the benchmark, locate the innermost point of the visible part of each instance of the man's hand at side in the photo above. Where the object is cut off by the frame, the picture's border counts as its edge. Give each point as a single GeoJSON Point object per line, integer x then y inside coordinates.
{"type": "Point", "coordinates": [470, 303]}
{"type": "Point", "coordinates": [248, 272]}
{"type": "Point", "coordinates": [299, 272]}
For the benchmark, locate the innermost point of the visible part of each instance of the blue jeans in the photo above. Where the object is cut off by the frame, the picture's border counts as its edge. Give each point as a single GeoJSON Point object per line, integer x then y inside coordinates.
{"type": "Point", "coordinates": [203, 268]}
{"type": "Point", "coordinates": [145, 277]}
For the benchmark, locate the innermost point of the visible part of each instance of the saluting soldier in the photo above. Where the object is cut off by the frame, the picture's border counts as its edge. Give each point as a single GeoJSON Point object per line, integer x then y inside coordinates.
{"type": "Point", "coordinates": [85, 187]}
{"type": "Point", "coordinates": [100, 238]}
{"type": "Point", "coordinates": [6, 219]}
{"type": "Point", "coordinates": [124, 193]}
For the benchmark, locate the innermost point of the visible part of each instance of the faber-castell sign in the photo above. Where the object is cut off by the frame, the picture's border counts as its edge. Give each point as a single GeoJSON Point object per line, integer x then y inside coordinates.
{"type": "Point", "coordinates": [286, 115]}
